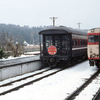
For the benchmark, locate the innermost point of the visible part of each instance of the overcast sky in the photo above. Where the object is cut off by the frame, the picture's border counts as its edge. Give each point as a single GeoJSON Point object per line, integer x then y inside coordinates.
{"type": "Point", "coordinates": [38, 12]}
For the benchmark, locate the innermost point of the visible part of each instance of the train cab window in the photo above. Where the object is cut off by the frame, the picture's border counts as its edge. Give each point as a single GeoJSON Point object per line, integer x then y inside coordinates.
{"type": "Point", "coordinates": [93, 38]}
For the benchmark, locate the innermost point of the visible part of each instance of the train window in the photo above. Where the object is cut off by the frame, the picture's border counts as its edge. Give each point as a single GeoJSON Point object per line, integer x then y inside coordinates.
{"type": "Point", "coordinates": [80, 42]}
{"type": "Point", "coordinates": [48, 40]}
{"type": "Point", "coordinates": [93, 38]}
{"type": "Point", "coordinates": [57, 40]}
{"type": "Point", "coordinates": [75, 42]}
{"type": "Point", "coordinates": [64, 41]}
{"type": "Point", "coordinates": [72, 43]}
{"type": "Point", "coordinates": [83, 43]}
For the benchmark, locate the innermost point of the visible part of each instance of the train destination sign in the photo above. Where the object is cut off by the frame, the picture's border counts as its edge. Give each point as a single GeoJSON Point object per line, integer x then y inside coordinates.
{"type": "Point", "coordinates": [52, 50]}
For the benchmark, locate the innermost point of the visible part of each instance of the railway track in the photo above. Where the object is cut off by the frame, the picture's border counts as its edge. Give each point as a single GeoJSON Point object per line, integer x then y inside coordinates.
{"type": "Point", "coordinates": [83, 86]}
{"type": "Point", "coordinates": [97, 96]}
{"type": "Point", "coordinates": [19, 78]}
{"type": "Point", "coordinates": [21, 82]}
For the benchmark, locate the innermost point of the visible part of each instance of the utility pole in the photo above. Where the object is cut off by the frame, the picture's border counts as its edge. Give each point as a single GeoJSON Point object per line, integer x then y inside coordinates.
{"type": "Point", "coordinates": [79, 24]}
{"type": "Point", "coordinates": [32, 38]}
{"type": "Point", "coordinates": [53, 19]}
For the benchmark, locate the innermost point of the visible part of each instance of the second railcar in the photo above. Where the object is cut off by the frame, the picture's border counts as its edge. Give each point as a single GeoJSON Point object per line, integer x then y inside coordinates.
{"type": "Point", "coordinates": [94, 47]}
{"type": "Point", "coordinates": [62, 45]}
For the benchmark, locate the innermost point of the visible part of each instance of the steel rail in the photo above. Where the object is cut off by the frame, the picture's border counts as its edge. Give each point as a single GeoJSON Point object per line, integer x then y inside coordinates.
{"type": "Point", "coordinates": [28, 83]}
{"type": "Point", "coordinates": [9, 83]}
{"type": "Point", "coordinates": [76, 92]}
{"type": "Point", "coordinates": [97, 96]}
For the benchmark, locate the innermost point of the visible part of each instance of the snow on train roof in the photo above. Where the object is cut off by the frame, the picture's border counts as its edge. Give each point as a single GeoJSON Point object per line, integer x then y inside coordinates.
{"type": "Point", "coordinates": [63, 28]}
{"type": "Point", "coordinates": [94, 30]}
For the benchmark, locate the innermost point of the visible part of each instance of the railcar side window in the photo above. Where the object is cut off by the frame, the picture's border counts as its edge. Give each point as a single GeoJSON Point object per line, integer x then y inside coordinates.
{"type": "Point", "coordinates": [80, 42]}
{"type": "Point", "coordinates": [93, 38]}
{"type": "Point", "coordinates": [73, 43]}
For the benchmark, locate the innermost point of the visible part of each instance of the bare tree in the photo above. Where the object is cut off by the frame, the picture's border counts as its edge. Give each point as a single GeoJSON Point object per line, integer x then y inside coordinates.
{"type": "Point", "coordinates": [9, 43]}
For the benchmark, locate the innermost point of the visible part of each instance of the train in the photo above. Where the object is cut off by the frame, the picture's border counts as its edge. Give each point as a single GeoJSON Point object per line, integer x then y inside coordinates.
{"type": "Point", "coordinates": [62, 46]}
{"type": "Point", "coordinates": [93, 46]}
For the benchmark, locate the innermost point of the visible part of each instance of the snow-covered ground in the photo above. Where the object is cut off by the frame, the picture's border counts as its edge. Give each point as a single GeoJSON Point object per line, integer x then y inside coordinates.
{"type": "Point", "coordinates": [56, 87]}
{"type": "Point", "coordinates": [21, 56]}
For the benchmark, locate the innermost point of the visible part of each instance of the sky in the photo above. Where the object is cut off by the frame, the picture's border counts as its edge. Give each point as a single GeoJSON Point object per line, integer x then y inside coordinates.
{"type": "Point", "coordinates": [38, 12]}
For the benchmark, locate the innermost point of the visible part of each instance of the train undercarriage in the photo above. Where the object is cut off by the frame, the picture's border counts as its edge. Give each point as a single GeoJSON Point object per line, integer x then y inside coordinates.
{"type": "Point", "coordinates": [94, 63]}
{"type": "Point", "coordinates": [61, 62]}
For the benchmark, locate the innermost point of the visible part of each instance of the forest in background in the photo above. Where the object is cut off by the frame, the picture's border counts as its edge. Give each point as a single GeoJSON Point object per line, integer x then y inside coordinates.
{"type": "Point", "coordinates": [25, 32]}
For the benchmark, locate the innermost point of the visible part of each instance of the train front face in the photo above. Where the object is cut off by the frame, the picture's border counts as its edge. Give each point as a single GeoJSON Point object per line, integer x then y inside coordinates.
{"type": "Point", "coordinates": [94, 47]}
{"type": "Point", "coordinates": [55, 46]}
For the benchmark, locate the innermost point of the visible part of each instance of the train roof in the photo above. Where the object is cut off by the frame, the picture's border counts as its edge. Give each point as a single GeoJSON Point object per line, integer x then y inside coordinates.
{"type": "Point", "coordinates": [79, 37]}
{"type": "Point", "coordinates": [94, 30]}
{"type": "Point", "coordinates": [62, 30]}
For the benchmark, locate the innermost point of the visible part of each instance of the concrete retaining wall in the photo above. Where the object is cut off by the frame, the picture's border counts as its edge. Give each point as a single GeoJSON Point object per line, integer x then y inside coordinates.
{"type": "Point", "coordinates": [18, 69]}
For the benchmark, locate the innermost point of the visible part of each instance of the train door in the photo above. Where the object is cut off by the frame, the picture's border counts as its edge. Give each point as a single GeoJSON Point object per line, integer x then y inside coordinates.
{"type": "Point", "coordinates": [47, 41]}
{"type": "Point", "coordinates": [66, 45]}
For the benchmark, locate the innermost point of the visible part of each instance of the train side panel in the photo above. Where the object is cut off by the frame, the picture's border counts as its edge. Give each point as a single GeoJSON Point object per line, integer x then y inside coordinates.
{"type": "Point", "coordinates": [79, 52]}
{"type": "Point", "coordinates": [93, 51]}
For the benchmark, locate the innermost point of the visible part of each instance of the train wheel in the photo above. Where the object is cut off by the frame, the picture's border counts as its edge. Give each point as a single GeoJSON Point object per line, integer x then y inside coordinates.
{"type": "Point", "coordinates": [69, 63]}
{"type": "Point", "coordinates": [44, 65]}
{"type": "Point", "coordinates": [74, 61]}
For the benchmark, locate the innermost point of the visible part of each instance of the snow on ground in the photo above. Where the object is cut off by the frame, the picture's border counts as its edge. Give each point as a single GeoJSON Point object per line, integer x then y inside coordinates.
{"type": "Point", "coordinates": [90, 91]}
{"type": "Point", "coordinates": [55, 87]}
{"type": "Point", "coordinates": [29, 53]}
{"type": "Point", "coordinates": [21, 56]}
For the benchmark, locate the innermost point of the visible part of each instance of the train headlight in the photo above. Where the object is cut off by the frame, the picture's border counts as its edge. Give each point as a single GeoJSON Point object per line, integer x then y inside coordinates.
{"type": "Point", "coordinates": [92, 30]}
{"type": "Point", "coordinates": [90, 50]}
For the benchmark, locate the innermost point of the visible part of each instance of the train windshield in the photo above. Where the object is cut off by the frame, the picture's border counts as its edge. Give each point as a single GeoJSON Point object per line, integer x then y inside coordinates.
{"type": "Point", "coordinates": [93, 38]}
